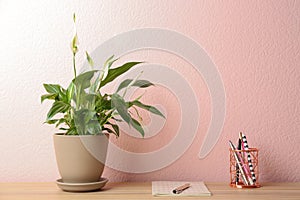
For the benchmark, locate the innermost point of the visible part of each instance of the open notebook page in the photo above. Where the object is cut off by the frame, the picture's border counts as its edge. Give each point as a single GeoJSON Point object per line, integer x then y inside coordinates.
{"type": "Point", "coordinates": [165, 188]}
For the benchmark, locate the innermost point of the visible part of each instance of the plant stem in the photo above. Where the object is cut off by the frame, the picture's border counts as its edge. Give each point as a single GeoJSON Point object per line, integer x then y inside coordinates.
{"type": "Point", "coordinates": [74, 66]}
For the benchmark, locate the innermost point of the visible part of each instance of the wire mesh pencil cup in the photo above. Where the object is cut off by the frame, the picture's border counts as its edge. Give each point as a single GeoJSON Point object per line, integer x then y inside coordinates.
{"type": "Point", "coordinates": [248, 157]}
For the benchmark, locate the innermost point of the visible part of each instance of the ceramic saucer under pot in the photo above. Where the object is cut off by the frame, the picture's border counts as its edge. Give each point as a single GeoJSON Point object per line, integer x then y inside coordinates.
{"type": "Point", "coordinates": [81, 187]}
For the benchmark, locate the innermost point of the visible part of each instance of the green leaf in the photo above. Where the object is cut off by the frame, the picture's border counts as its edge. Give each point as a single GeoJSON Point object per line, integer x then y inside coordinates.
{"type": "Point", "coordinates": [137, 113]}
{"type": "Point", "coordinates": [56, 89]}
{"type": "Point", "coordinates": [106, 67]}
{"type": "Point", "coordinates": [60, 121]}
{"type": "Point", "coordinates": [51, 121]}
{"type": "Point", "coordinates": [109, 60]}
{"type": "Point", "coordinates": [116, 128]}
{"type": "Point", "coordinates": [72, 131]}
{"type": "Point", "coordinates": [137, 83]}
{"type": "Point", "coordinates": [119, 103]}
{"type": "Point", "coordinates": [86, 122]}
{"type": "Point", "coordinates": [84, 115]}
{"type": "Point", "coordinates": [52, 88]}
{"type": "Point", "coordinates": [88, 101]}
{"type": "Point", "coordinates": [105, 117]}
{"type": "Point", "coordinates": [83, 80]}
{"type": "Point", "coordinates": [57, 107]}
{"type": "Point", "coordinates": [51, 96]}
{"type": "Point", "coordinates": [114, 73]}
{"type": "Point", "coordinates": [137, 126]}
{"type": "Point", "coordinates": [91, 98]}
{"type": "Point", "coordinates": [70, 92]}
{"type": "Point", "coordinates": [103, 104]}
{"type": "Point", "coordinates": [89, 59]}
{"type": "Point", "coordinates": [95, 84]}
{"type": "Point", "coordinates": [121, 106]}
{"type": "Point", "coordinates": [147, 107]}
{"type": "Point", "coordinates": [93, 128]}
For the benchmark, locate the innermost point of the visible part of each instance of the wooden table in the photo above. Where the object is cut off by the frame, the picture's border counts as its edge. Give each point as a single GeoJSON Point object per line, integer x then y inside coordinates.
{"type": "Point", "coordinates": [132, 190]}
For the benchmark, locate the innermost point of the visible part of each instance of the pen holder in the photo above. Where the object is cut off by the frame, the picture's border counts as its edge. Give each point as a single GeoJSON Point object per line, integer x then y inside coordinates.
{"type": "Point", "coordinates": [249, 163]}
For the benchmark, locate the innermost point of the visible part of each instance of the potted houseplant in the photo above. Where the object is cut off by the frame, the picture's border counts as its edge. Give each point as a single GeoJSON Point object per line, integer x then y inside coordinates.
{"type": "Point", "coordinates": [87, 117]}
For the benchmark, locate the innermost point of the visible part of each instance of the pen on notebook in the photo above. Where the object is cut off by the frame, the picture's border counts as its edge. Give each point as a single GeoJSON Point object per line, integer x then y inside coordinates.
{"type": "Point", "coordinates": [181, 188]}
{"type": "Point", "coordinates": [239, 162]}
{"type": "Point", "coordinates": [246, 147]}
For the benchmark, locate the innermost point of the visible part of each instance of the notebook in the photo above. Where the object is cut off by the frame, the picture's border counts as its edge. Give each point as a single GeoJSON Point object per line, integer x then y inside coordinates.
{"type": "Point", "coordinates": [165, 188]}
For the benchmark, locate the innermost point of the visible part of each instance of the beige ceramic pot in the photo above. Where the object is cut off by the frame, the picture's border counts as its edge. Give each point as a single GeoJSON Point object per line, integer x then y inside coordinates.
{"type": "Point", "coordinates": [80, 159]}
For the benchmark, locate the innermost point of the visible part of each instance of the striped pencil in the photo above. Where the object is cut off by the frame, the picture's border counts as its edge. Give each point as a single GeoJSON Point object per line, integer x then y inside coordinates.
{"type": "Point", "coordinates": [237, 166]}
{"type": "Point", "coordinates": [240, 163]}
{"type": "Point", "coordinates": [246, 147]}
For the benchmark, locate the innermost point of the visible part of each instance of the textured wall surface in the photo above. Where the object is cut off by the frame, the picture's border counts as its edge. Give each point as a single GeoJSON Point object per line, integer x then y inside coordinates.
{"type": "Point", "coordinates": [254, 44]}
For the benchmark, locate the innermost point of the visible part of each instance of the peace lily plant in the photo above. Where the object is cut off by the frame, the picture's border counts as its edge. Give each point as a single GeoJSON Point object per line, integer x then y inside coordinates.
{"type": "Point", "coordinates": [87, 117]}
{"type": "Point", "coordinates": [82, 109]}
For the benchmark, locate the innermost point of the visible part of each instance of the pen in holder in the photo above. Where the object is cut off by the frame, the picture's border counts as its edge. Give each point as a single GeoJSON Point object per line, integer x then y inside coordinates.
{"type": "Point", "coordinates": [244, 168]}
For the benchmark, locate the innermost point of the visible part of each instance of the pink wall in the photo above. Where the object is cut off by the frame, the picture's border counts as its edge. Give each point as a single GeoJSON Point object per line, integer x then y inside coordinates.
{"type": "Point", "coordinates": [254, 44]}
